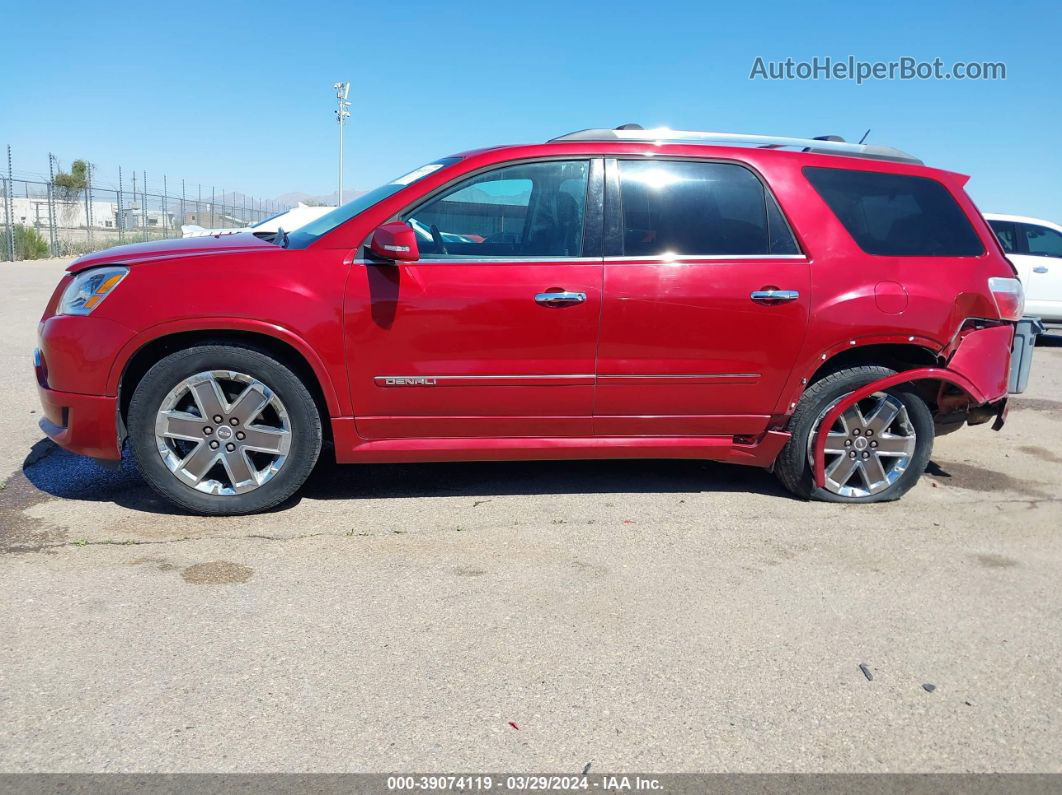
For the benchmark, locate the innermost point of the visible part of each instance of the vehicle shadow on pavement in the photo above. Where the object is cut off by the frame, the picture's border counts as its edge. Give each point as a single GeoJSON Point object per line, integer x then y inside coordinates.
{"type": "Point", "coordinates": [507, 478]}
{"type": "Point", "coordinates": [57, 473]}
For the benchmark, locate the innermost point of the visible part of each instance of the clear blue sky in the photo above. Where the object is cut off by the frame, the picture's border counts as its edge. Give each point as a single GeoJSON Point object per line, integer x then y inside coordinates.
{"type": "Point", "coordinates": [239, 94]}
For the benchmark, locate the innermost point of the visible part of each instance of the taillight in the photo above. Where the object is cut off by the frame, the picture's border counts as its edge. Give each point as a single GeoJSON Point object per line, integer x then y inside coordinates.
{"type": "Point", "coordinates": [1009, 296]}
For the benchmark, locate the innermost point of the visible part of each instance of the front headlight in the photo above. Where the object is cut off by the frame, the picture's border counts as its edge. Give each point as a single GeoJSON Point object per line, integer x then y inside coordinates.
{"type": "Point", "coordinates": [89, 288]}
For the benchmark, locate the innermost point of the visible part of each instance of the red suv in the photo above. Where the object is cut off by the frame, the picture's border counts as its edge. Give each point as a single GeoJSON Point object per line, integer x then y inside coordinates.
{"type": "Point", "coordinates": [814, 307]}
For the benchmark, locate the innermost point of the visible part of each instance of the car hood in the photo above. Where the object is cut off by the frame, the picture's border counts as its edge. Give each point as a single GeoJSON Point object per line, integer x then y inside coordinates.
{"type": "Point", "coordinates": [168, 249]}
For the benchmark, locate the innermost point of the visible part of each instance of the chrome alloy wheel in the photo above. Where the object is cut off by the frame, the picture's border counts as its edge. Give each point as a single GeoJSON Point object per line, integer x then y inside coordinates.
{"type": "Point", "coordinates": [223, 432]}
{"type": "Point", "coordinates": [868, 448]}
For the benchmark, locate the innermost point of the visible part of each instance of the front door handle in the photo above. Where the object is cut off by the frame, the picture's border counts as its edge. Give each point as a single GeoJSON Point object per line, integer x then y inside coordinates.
{"type": "Point", "coordinates": [774, 296]}
{"type": "Point", "coordinates": [559, 299]}
{"type": "Point", "coordinates": [1040, 269]}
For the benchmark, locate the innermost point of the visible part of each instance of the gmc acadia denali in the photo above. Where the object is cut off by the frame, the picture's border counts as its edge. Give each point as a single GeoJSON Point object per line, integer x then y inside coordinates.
{"type": "Point", "coordinates": [815, 307]}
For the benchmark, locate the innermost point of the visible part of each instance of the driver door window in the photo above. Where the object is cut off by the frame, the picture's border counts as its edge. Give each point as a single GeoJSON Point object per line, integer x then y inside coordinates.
{"type": "Point", "coordinates": [1042, 241]}
{"type": "Point", "coordinates": [527, 210]}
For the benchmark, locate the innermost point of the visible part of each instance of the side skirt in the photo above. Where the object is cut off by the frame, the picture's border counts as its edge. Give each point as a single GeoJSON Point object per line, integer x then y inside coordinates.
{"type": "Point", "coordinates": [352, 449]}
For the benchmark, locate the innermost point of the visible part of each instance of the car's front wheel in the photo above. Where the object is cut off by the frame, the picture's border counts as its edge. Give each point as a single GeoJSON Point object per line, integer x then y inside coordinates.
{"type": "Point", "coordinates": [875, 451]}
{"type": "Point", "coordinates": [223, 429]}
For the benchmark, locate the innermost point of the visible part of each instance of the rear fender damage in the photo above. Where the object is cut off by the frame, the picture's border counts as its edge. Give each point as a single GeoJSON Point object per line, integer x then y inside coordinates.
{"type": "Point", "coordinates": [974, 378]}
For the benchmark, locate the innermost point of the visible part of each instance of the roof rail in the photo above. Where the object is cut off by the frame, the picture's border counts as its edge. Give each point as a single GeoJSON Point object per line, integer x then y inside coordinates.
{"type": "Point", "coordinates": [829, 145]}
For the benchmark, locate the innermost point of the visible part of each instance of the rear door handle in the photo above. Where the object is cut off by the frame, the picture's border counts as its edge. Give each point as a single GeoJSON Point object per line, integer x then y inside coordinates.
{"type": "Point", "coordinates": [774, 296]}
{"type": "Point", "coordinates": [559, 299]}
{"type": "Point", "coordinates": [1040, 269]}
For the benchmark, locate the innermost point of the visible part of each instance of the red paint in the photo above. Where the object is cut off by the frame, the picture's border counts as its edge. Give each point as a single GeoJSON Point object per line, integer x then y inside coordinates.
{"type": "Point", "coordinates": [978, 367]}
{"type": "Point", "coordinates": [395, 241]}
{"type": "Point", "coordinates": [475, 320]}
{"type": "Point", "coordinates": [983, 357]}
{"type": "Point", "coordinates": [687, 317]}
{"type": "Point", "coordinates": [82, 423]}
{"type": "Point", "coordinates": [336, 399]}
{"type": "Point", "coordinates": [890, 297]}
{"type": "Point", "coordinates": [597, 390]}
{"type": "Point", "coordinates": [352, 449]}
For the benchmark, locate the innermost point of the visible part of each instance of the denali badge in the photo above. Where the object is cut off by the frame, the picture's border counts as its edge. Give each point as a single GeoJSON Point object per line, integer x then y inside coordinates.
{"type": "Point", "coordinates": [399, 380]}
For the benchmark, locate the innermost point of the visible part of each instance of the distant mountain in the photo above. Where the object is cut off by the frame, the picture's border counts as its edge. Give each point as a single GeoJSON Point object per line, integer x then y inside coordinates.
{"type": "Point", "coordinates": [293, 198]}
{"type": "Point", "coordinates": [227, 199]}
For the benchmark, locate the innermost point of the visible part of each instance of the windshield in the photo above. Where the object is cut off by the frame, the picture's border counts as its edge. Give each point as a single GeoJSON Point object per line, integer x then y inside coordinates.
{"type": "Point", "coordinates": [314, 230]}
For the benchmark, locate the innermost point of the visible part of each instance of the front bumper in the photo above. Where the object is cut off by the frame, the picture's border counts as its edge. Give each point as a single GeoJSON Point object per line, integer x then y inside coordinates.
{"type": "Point", "coordinates": [72, 365]}
{"type": "Point", "coordinates": [84, 424]}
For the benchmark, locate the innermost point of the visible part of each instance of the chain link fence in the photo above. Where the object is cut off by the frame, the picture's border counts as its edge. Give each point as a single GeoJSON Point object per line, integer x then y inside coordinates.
{"type": "Point", "coordinates": [47, 217]}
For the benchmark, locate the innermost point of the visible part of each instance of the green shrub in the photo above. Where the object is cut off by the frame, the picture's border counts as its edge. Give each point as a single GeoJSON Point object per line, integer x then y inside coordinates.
{"type": "Point", "coordinates": [28, 243]}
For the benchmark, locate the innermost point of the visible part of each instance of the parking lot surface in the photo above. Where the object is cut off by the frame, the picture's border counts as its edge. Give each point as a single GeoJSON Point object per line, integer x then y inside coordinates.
{"type": "Point", "coordinates": [638, 615]}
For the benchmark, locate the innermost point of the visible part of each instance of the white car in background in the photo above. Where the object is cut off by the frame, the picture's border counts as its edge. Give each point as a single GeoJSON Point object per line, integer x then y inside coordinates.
{"type": "Point", "coordinates": [289, 220]}
{"type": "Point", "coordinates": [1035, 247]}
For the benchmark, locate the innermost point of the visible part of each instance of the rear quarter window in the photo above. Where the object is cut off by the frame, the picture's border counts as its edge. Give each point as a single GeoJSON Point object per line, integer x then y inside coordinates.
{"type": "Point", "coordinates": [895, 215]}
{"type": "Point", "coordinates": [1007, 235]}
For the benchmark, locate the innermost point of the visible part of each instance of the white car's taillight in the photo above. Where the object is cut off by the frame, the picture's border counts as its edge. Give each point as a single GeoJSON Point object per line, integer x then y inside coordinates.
{"type": "Point", "coordinates": [1009, 296]}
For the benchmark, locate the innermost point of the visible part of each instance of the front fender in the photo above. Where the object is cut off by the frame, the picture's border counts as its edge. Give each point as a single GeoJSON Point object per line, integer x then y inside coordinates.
{"type": "Point", "coordinates": [333, 399]}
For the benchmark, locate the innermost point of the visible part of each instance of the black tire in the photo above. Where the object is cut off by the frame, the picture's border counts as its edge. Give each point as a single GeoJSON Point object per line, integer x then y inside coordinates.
{"type": "Point", "coordinates": [793, 467]}
{"type": "Point", "coordinates": [302, 415]}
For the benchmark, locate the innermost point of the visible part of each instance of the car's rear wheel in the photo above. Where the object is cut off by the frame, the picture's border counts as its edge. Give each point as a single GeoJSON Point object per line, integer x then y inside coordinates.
{"type": "Point", "coordinates": [875, 451]}
{"type": "Point", "coordinates": [223, 429]}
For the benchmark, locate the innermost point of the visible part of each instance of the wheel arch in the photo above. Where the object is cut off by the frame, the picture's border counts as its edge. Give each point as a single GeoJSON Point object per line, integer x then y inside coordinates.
{"type": "Point", "coordinates": [898, 356]}
{"type": "Point", "coordinates": [286, 348]}
{"type": "Point", "coordinates": [937, 376]}
{"type": "Point", "coordinates": [895, 356]}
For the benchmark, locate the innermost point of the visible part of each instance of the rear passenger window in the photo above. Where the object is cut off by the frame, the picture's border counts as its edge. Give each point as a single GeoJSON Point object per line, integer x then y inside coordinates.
{"type": "Point", "coordinates": [1007, 236]}
{"type": "Point", "coordinates": [895, 215]}
{"type": "Point", "coordinates": [676, 207]}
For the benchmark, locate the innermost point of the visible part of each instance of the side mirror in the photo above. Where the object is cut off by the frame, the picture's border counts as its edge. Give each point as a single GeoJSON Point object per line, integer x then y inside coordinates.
{"type": "Point", "coordinates": [395, 241]}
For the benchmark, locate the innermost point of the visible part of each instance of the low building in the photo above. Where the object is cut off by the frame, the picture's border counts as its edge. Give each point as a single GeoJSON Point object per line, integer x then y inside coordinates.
{"type": "Point", "coordinates": [35, 211]}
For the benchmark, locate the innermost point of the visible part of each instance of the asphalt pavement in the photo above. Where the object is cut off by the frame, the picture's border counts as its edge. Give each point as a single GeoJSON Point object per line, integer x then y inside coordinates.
{"type": "Point", "coordinates": [646, 616]}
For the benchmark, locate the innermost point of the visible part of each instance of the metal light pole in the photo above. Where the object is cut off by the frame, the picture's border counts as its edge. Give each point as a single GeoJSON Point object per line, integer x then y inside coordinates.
{"type": "Point", "coordinates": [342, 92]}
